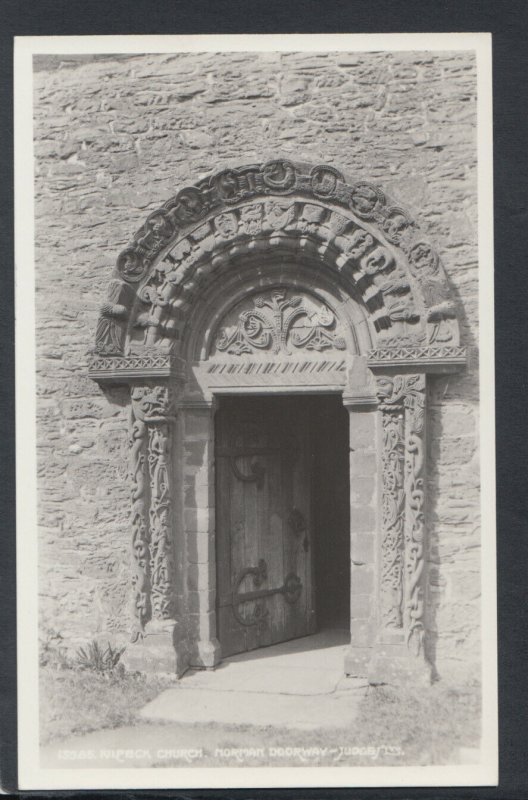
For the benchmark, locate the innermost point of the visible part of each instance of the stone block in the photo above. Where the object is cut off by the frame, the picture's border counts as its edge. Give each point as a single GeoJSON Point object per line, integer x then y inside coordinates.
{"type": "Point", "coordinates": [360, 606]}
{"type": "Point", "coordinates": [362, 491]}
{"type": "Point", "coordinates": [200, 603]}
{"type": "Point", "coordinates": [362, 547]}
{"type": "Point", "coordinates": [197, 494]}
{"type": "Point", "coordinates": [362, 519]}
{"type": "Point", "coordinates": [361, 580]}
{"type": "Point", "coordinates": [199, 424]}
{"type": "Point", "coordinates": [362, 464]}
{"type": "Point", "coordinates": [362, 430]}
{"type": "Point", "coordinates": [202, 624]}
{"type": "Point", "coordinates": [200, 547]}
{"type": "Point", "coordinates": [361, 632]}
{"type": "Point", "coordinates": [201, 578]}
{"type": "Point", "coordinates": [199, 519]}
{"type": "Point", "coordinates": [357, 660]}
{"type": "Point", "coordinates": [197, 453]}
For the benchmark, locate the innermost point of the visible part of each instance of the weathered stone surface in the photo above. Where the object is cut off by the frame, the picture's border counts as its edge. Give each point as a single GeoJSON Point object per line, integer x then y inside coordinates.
{"type": "Point", "coordinates": [115, 138]}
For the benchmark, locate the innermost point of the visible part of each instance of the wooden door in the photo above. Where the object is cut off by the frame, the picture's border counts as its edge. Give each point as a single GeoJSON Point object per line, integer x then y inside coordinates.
{"type": "Point", "coordinates": [264, 564]}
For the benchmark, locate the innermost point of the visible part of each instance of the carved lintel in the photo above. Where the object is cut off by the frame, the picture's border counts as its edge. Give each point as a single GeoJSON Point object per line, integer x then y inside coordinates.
{"type": "Point", "coordinates": [414, 531]}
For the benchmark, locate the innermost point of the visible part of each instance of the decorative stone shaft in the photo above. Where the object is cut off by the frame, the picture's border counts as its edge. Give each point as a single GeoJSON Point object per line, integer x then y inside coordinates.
{"type": "Point", "coordinates": [402, 408]}
{"type": "Point", "coordinates": [393, 502]}
{"type": "Point", "coordinates": [141, 607]}
{"type": "Point", "coordinates": [414, 509]}
{"type": "Point", "coordinates": [391, 393]}
{"type": "Point", "coordinates": [151, 435]}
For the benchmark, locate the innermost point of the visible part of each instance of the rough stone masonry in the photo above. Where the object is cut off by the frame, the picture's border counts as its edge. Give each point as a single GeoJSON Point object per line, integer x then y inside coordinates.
{"type": "Point", "coordinates": [115, 136]}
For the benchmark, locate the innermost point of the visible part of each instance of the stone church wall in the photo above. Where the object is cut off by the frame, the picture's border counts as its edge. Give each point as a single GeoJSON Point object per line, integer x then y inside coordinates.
{"type": "Point", "coordinates": [114, 138]}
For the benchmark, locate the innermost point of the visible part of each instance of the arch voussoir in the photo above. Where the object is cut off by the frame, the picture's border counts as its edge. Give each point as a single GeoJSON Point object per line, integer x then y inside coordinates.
{"type": "Point", "coordinates": [293, 211]}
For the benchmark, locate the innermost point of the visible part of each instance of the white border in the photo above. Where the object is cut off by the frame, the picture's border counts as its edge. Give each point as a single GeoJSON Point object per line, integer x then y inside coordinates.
{"type": "Point", "coordinates": [31, 776]}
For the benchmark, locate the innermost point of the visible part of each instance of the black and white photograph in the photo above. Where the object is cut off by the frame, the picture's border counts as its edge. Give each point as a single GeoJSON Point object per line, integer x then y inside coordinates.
{"type": "Point", "coordinates": [255, 340]}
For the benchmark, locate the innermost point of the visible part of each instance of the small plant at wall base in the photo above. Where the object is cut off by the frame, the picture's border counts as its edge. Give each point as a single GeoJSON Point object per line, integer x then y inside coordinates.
{"type": "Point", "coordinates": [96, 658]}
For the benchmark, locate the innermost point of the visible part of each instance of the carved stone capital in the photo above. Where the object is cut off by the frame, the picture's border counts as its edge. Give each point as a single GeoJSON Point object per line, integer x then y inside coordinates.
{"type": "Point", "coordinates": [154, 402]}
{"type": "Point", "coordinates": [392, 390]}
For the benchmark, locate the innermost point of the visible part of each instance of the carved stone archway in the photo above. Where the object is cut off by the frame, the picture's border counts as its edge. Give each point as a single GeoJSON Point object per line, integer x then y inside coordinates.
{"type": "Point", "coordinates": [280, 277]}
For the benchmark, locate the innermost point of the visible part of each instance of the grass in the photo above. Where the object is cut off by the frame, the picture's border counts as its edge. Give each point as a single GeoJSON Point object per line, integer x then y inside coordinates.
{"type": "Point", "coordinates": [428, 723]}
{"type": "Point", "coordinates": [76, 701]}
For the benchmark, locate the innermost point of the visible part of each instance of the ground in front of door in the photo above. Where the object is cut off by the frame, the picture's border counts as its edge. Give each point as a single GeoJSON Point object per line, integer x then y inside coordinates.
{"type": "Point", "coordinates": [271, 706]}
{"type": "Point", "coordinates": [279, 706]}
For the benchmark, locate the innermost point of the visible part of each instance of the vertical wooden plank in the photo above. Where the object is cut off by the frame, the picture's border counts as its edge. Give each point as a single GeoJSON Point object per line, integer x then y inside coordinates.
{"type": "Point", "coordinates": [275, 526]}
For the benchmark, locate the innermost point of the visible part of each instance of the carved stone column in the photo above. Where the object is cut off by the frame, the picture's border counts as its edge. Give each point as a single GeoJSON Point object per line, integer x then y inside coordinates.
{"type": "Point", "coordinates": [398, 648]}
{"type": "Point", "coordinates": [392, 506]}
{"type": "Point", "coordinates": [152, 488]}
{"type": "Point", "coordinates": [415, 530]}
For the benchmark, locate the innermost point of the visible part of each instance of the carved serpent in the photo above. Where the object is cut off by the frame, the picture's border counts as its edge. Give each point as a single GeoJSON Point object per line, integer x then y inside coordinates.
{"type": "Point", "coordinates": [140, 545]}
{"type": "Point", "coordinates": [415, 562]}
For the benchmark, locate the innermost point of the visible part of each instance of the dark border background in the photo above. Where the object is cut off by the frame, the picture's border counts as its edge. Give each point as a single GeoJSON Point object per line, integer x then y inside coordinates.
{"type": "Point", "coordinates": [507, 20]}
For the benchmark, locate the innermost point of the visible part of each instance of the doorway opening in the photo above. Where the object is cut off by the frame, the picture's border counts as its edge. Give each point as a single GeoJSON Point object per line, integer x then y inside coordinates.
{"type": "Point", "coordinates": [282, 519]}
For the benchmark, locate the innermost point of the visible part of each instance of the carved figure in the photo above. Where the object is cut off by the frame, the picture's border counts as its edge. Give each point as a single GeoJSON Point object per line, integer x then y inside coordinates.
{"type": "Point", "coordinates": [130, 265]}
{"type": "Point", "coordinates": [142, 609]}
{"type": "Point", "coordinates": [226, 225]}
{"type": "Point", "coordinates": [278, 216]}
{"type": "Point", "coordinates": [324, 180]}
{"type": "Point", "coordinates": [365, 199]}
{"type": "Point", "coordinates": [279, 175]}
{"type": "Point", "coordinates": [251, 219]}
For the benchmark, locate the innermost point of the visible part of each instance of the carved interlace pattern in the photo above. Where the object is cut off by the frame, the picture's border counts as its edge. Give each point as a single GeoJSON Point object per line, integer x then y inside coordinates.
{"type": "Point", "coordinates": [161, 555]}
{"type": "Point", "coordinates": [142, 610]}
{"type": "Point", "coordinates": [269, 326]}
{"type": "Point", "coordinates": [415, 509]}
{"type": "Point", "coordinates": [402, 408]}
{"type": "Point", "coordinates": [390, 393]}
{"type": "Point", "coordinates": [150, 468]}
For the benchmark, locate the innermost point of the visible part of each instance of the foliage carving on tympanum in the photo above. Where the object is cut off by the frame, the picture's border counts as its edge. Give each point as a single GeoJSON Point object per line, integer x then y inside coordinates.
{"type": "Point", "coordinates": [279, 321]}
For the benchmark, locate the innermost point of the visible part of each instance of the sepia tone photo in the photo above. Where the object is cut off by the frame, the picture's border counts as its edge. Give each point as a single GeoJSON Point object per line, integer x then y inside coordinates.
{"type": "Point", "coordinates": [260, 536]}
